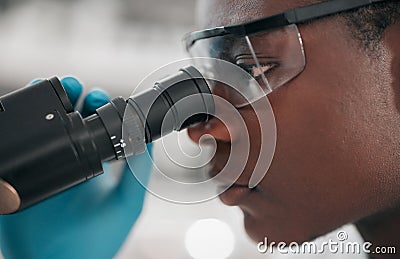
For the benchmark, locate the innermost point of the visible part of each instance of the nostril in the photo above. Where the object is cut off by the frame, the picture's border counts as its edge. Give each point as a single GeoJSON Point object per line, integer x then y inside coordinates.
{"type": "Point", "coordinates": [214, 128]}
{"type": "Point", "coordinates": [196, 132]}
{"type": "Point", "coordinates": [207, 139]}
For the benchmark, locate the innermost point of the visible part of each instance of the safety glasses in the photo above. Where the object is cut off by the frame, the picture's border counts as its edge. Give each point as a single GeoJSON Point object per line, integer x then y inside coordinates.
{"type": "Point", "coordinates": [270, 49]}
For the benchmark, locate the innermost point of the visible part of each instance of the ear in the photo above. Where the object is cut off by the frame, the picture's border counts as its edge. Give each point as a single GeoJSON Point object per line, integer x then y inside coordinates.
{"type": "Point", "coordinates": [392, 43]}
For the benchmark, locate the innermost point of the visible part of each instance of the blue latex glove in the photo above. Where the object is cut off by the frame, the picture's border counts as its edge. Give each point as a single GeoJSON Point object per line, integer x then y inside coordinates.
{"type": "Point", "coordinates": [91, 220]}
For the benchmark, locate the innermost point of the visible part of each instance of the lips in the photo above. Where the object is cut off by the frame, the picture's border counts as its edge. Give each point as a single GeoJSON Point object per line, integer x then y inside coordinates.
{"type": "Point", "coordinates": [234, 194]}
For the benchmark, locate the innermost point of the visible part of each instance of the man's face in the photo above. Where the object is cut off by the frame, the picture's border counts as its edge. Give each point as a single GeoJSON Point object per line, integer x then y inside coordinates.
{"type": "Point", "coordinates": [335, 158]}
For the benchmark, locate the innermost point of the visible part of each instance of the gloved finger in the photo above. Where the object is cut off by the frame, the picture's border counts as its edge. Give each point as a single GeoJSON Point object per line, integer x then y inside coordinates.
{"type": "Point", "coordinates": [36, 80]}
{"type": "Point", "coordinates": [93, 100]}
{"type": "Point", "coordinates": [73, 88]}
{"type": "Point", "coordinates": [141, 165]}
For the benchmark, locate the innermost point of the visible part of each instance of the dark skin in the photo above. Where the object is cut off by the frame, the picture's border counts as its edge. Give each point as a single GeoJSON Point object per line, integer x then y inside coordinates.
{"type": "Point", "coordinates": [383, 227]}
{"type": "Point", "coordinates": [338, 133]}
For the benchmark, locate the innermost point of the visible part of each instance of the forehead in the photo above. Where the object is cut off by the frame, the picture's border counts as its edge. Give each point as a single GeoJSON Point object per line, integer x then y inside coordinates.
{"type": "Point", "coordinates": [212, 13]}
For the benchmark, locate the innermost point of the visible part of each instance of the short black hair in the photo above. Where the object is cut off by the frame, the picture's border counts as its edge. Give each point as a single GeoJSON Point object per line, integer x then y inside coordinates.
{"type": "Point", "coordinates": [368, 24]}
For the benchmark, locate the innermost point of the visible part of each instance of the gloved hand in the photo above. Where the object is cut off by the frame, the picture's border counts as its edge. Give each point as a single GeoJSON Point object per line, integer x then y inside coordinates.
{"type": "Point", "coordinates": [91, 220]}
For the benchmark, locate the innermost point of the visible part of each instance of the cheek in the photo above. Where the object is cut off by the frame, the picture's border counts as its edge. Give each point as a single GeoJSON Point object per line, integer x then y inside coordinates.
{"type": "Point", "coordinates": [331, 164]}
{"type": "Point", "coordinates": [314, 179]}
{"type": "Point", "coordinates": [261, 130]}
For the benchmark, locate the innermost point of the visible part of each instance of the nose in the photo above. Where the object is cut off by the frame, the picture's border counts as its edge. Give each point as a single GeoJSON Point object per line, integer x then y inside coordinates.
{"type": "Point", "coordinates": [227, 120]}
{"type": "Point", "coordinates": [226, 125]}
{"type": "Point", "coordinates": [214, 127]}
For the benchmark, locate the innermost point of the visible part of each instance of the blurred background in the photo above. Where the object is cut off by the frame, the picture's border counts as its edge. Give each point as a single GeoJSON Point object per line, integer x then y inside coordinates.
{"type": "Point", "coordinates": [113, 45]}
{"type": "Point", "coordinates": [108, 44]}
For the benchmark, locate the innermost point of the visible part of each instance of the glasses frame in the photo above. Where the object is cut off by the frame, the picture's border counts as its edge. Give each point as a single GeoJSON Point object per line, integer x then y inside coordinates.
{"type": "Point", "coordinates": [292, 16]}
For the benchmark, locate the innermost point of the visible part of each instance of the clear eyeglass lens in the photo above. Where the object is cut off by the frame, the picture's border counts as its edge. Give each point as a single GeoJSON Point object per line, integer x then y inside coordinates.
{"type": "Point", "coordinates": [272, 58]}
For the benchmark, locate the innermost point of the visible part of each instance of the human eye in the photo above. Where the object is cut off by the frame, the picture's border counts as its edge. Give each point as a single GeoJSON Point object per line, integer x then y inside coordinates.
{"type": "Point", "coordinates": [256, 72]}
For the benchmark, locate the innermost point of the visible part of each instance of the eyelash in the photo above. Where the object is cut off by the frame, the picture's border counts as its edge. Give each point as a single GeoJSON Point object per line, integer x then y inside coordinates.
{"type": "Point", "coordinates": [251, 68]}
